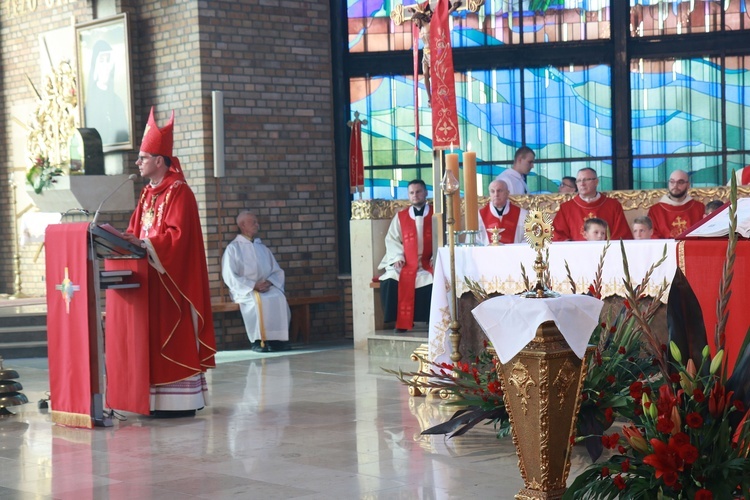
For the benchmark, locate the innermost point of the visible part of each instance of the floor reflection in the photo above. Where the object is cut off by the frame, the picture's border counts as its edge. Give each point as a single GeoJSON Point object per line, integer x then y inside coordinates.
{"type": "Point", "coordinates": [307, 424]}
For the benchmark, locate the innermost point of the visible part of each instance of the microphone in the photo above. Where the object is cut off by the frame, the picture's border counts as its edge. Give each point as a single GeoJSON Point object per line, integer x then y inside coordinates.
{"type": "Point", "coordinates": [131, 177]}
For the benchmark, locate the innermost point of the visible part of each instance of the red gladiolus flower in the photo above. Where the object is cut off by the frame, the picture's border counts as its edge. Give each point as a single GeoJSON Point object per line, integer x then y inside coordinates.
{"type": "Point", "coordinates": [694, 420]}
{"type": "Point", "coordinates": [619, 482]}
{"type": "Point", "coordinates": [703, 494]}
{"type": "Point", "coordinates": [718, 399]}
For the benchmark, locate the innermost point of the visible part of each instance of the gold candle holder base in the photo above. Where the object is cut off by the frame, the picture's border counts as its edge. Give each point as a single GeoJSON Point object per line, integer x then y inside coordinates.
{"type": "Point", "coordinates": [541, 389]}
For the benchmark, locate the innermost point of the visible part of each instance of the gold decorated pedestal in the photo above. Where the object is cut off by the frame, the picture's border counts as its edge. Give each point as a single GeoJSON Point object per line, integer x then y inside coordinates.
{"type": "Point", "coordinates": [541, 388]}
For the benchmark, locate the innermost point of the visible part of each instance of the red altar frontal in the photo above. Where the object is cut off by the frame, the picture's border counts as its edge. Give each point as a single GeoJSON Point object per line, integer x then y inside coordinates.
{"type": "Point", "coordinates": [702, 262]}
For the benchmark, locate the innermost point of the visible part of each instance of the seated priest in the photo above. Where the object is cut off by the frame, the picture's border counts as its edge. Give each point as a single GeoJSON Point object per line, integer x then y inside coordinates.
{"type": "Point", "coordinates": [676, 210]}
{"type": "Point", "coordinates": [743, 176]}
{"type": "Point", "coordinates": [406, 285]}
{"type": "Point", "coordinates": [256, 283]}
{"type": "Point", "coordinates": [500, 213]}
{"type": "Point", "coordinates": [589, 203]}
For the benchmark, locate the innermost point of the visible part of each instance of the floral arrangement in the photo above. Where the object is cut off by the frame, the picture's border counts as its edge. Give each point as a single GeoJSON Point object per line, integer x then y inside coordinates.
{"type": "Point", "coordinates": [41, 175]}
{"type": "Point", "coordinates": [617, 365]}
{"type": "Point", "coordinates": [51, 125]}
{"type": "Point", "coordinates": [474, 386]}
{"type": "Point", "coordinates": [692, 439]}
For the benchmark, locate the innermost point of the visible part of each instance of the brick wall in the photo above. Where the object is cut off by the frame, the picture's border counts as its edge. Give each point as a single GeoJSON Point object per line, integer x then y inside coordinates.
{"type": "Point", "coordinates": [273, 65]}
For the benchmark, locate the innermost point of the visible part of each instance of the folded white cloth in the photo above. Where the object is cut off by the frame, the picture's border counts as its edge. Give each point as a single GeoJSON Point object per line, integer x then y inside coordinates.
{"type": "Point", "coordinates": [511, 321]}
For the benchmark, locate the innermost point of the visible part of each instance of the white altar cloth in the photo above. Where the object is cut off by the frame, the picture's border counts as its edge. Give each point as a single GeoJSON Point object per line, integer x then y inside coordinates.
{"type": "Point", "coordinates": [498, 270]}
{"type": "Point", "coordinates": [511, 321]}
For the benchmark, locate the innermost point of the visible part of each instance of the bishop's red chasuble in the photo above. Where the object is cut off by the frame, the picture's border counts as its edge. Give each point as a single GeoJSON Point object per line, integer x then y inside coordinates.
{"type": "Point", "coordinates": [408, 276]}
{"type": "Point", "coordinates": [568, 222]}
{"type": "Point", "coordinates": [167, 216]}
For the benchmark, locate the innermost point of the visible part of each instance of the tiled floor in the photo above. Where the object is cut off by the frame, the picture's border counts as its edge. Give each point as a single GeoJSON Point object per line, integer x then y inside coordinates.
{"type": "Point", "coordinates": [315, 424]}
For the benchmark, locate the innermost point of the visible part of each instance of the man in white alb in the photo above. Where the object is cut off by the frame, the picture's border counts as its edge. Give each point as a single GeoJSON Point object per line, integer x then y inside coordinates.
{"type": "Point", "coordinates": [256, 283]}
{"type": "Point", "coordinates": [515, 176]}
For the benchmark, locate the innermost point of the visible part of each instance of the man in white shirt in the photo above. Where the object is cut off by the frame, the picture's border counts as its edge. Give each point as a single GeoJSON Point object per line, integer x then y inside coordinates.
{"type": "Point", "coordinates": [515, 177]}
{"type": "Point", "coordinates": [256, 283]}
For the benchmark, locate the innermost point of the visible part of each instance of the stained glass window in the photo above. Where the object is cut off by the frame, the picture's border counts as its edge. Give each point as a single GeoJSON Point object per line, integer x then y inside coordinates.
{"type": "Point", "coordinates": [496, 22]}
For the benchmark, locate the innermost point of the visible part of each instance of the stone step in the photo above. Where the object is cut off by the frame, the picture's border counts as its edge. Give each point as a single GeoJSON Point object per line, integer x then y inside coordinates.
{"type": "Point", "coordinates": [16, 350]}
{"type": "Point", "coordinates": [36, 333]}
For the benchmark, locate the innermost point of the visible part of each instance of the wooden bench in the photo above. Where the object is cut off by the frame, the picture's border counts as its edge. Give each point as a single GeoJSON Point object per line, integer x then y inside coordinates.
{"type": "Point", "coordinates": [300, 307]}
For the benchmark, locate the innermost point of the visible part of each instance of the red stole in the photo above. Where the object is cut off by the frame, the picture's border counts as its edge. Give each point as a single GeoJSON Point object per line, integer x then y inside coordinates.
{"type": "Point", "coordinates": [408, 276]}
{"type": "Point", "coordinates": [507, 221]}
{"type": "Point", "coordinates": [745, 175]}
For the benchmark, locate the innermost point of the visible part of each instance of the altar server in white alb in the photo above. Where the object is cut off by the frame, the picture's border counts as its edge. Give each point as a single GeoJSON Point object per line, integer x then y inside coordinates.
{"type": "Point", "coordinates": [256, 283]}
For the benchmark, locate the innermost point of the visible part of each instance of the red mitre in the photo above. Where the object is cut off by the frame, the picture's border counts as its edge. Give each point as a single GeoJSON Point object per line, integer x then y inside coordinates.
{"type": "Point", "coordinates": [158, 141]}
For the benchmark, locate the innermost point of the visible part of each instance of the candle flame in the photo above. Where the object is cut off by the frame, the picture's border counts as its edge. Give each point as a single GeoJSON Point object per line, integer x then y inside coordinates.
{"type": "Point", "coordinates": [468, 146]}
{"type": "Point", "coordinates": [451, 147]}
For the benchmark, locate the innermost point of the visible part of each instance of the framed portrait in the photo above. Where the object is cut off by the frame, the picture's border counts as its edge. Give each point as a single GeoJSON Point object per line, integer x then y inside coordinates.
{"type": "Point", "coordinates": [104, 80]}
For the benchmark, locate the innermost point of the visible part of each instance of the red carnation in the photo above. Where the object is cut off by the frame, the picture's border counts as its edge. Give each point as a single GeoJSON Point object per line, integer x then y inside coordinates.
{"type": "Point", "coordinates": [619, 482]}
{"type": "Point", "coordinates": [621, 349]}
{"type": "Point", "coordinates": [636, 390]}
{"type": "Point", "coordinates": [605, 471]}
{"type": "Point", "coordinates": [698, 395]}
{"type": "Point", "coordinates": [703, 494]}
{"type": "Point", "coordinates": [689, 453]}
{"type": "Point", "coordinates": [625, 466]}
{"type": "Point", "coordinates": [694, 420]}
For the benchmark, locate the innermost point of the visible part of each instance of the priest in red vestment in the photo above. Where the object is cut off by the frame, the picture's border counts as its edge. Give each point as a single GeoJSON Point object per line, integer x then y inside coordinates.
{"type": "Point", "coordinates": [406, 285]}
{"type": "Point", "coordinates": [589, 203]}
{"type": "Point", "coordinates": [500, 213]}
{"type": "Point", "coordinates": [676, 210]}
{"type": "Point", "coordinates": [743, 176]}
{"type": "Point", "coordinates": [181, 329]}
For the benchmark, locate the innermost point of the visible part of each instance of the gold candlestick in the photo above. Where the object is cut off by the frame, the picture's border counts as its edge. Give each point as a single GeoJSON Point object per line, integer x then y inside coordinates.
{"type": "Point", "coordinates": [450, 188]}
{"type": "Point", "coordinates": [17, 284]}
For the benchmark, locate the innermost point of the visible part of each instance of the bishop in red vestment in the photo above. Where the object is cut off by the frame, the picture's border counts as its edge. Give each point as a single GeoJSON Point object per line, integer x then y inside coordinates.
{"type": "Point", "coordinates": [181, 330]}
{"type": "Point", "coordinates": [406, 285]}
{"type": "Point", "coordinates": [589, 203]}
{"type": "Point", "coordinates": [500, 213]}
{"type": "Point", "coordinates": [676, 211]}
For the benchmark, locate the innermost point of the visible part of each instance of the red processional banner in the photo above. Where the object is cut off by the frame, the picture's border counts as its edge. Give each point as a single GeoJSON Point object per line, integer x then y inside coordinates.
{"type": "Point", "coordinates": [356, 159]}
{"type": "Point", "coordinates": [443, 85]}
{"type": "Point", "coordinates": [71, 347]}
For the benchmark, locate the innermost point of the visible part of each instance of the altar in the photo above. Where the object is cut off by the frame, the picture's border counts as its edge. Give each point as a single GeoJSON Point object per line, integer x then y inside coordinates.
{"type": "Point", "coordinates": [497, 269]}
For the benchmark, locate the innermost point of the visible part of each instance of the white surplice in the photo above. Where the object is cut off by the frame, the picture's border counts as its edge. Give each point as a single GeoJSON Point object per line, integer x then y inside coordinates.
{"type": "Point", "coordinates": [245, 263]}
